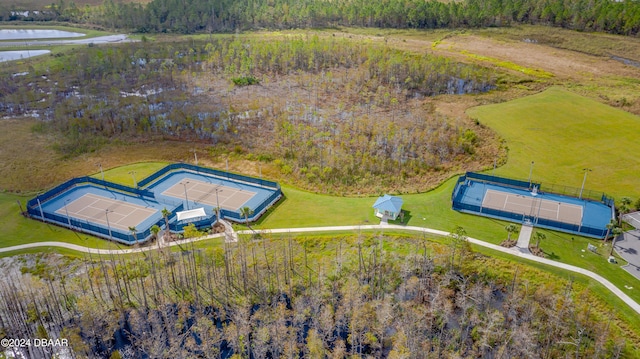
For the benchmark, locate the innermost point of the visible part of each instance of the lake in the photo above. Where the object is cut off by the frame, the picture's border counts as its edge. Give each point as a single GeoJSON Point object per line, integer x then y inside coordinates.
{"type": "Point", "coordinates": [23, 54]}
{"type": "Point", "coordinates": [33, 34]}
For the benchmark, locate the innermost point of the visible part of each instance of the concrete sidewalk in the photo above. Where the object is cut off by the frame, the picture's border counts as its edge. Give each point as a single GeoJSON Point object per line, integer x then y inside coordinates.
{"type": "Point", "coordinates": [524, 238]}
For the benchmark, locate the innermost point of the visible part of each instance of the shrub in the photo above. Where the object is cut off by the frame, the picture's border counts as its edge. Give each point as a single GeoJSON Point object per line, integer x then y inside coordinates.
{"type": "Point", "coordinates": [245, 81]}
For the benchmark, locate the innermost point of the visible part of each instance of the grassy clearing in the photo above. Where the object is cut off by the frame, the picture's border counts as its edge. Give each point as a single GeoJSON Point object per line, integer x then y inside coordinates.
{"type": "Point", "coordinates": [125, 174]}
{"type": "Point", "coordinates": [305, 209]}
{"type": "Point", "coordinates": [598, 44]}
{"type": "Point", "coordinates": [563, 133]}
{"type": "Point", "coordinates": [510, 65]}
{"type": "Point", "coordinates": [29, 164]}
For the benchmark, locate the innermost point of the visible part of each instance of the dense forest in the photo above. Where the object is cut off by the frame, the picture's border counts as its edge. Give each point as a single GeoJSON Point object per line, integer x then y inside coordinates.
{"type": "Point", "coordinates": [620, 17]}
{"type": "Point", "coordinates": [360, 296]}
{"type": "Point", "coordinates": [335, 113]}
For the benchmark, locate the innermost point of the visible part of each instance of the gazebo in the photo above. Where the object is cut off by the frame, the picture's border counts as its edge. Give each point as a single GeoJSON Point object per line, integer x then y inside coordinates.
{"type": "Point", "coordinates": [388, 207]}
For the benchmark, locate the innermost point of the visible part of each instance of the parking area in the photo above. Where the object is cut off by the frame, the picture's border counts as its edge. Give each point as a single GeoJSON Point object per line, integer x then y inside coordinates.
{"type": "Point", "coordinates": [628, 247]}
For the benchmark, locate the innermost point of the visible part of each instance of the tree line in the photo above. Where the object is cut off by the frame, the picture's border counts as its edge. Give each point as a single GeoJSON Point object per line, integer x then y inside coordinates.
{"type": "Point", "coordinates": [356, 296]}
{"type": "Point", "coordinates": [620, 17]}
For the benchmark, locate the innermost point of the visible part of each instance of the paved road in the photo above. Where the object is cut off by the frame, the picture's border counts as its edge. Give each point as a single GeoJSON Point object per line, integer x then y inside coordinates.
{"type": "Point", "coordinates": [628, 247]}
{"type": "Point", "coordinates": [615, 290]}
{"type": "Point", "coordinates": [109, 39]}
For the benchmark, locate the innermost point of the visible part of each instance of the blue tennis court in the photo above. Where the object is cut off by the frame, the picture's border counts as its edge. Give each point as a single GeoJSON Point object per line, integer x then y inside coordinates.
{"type": "Point", "coordinates": [527, 202]}
{"type": "Point", "coordinates": [209, 191]}
{"type": "Point", "coordinates": [102, 210]}
{"type": "Point", "coordinates": [126, 214]}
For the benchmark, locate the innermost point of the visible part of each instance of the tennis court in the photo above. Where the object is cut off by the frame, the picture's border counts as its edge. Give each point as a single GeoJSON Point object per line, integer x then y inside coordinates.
{"type": "Point", "coordinates": [110, 210]}
{"type": "Point", "coordinates": [209, 188]}
{"type": "Point", "coordinates": [105, 211]}
{"type": "Point", "coordinates": [201, 192]}
{"type": "Point", "coordinates": [525, 201]}
{"type": "Point", "coordinates": [533, 206]}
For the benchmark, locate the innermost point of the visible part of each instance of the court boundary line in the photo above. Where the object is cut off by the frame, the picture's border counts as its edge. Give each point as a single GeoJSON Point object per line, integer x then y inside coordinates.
{"type": "Point", "coordinates": [221, 198]}
{"type": "Point", "coordinates": [115, 203]}
{"type": "Point", "coordinates": [540, 201]}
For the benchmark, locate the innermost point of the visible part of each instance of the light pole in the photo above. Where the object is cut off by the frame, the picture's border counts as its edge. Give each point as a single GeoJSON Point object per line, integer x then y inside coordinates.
{"type": "Point", "coordinates": [195, 155]}
{"type": "Point", "coordinates": [40, 206]}
{"type": "Point", "coordinates": [218, 205]}
{"type": "Point", "coordinates": [584, 180]}
{"type": "Point", "coordinates": [186, 198]}
{"type": "Point", "coordinates": [66, 211]}
{"type": "Point", "coordinates": [101, 171]}
{"type": "Point", "coordinates": [133, 174]}
{"type": "Point", "coordinates": [106, 215]}
{"type": "Point", "coordinates": [530, 173]}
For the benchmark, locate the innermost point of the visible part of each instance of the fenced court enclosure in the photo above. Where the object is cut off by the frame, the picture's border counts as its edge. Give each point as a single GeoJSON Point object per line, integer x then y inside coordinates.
{"type": "Point", "coordinates": [534, 203]}
{"type": "Point", "coordinates": [127, 214]}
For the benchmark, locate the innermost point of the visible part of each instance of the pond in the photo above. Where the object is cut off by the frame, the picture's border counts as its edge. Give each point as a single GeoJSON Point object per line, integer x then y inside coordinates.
{"type": "Point", "coordinates": [23, 54]}
{"type": "Point", "coordinates": [33, 34]}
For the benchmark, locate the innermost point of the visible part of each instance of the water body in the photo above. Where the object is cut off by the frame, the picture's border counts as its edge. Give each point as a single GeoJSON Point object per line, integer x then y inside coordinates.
{"type": "Point", "coordinates": [33, 34]}
{"type": "Point", "coordinates": [626, 61]}
{"type": "Point", "coordinates": [23, 54]}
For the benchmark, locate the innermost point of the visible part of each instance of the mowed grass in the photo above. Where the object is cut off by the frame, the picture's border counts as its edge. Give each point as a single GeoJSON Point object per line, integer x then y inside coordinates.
{"type": "Point", "coordinates": [564, 133]}
{"type": "Point", "coordinates": [125, 174]}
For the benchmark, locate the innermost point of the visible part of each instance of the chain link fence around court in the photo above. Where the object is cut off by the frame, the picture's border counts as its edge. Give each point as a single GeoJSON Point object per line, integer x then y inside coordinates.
{"type": "Point", "coordinates": [459, 204]}
{"type": "Point", "coordinates": [34, 208]}
{"type": "Point", "coordinates": [562, 190]}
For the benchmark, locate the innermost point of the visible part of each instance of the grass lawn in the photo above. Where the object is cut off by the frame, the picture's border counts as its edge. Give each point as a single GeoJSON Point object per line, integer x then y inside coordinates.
{"type": "Point", "coordinates": [300, 208]}
{"type": "Point", "coordinates": [124, 174]}
{"type": "Point", "coordinates": [563, 133]}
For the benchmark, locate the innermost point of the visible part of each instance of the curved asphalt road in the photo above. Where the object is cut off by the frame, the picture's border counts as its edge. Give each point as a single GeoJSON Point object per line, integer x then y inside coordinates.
{"type": "Point", "coordinates": [513, 251]}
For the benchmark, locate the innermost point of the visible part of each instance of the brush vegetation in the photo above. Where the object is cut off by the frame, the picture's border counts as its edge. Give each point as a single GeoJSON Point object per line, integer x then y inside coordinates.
{"type": "Point", "coordinates": [341, 116]}
{"type": "Point", "coordinates": [353, 296]}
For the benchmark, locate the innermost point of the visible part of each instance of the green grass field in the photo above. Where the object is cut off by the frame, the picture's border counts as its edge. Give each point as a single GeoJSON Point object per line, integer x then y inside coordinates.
{"type": "Point", "coordinates": [125, 174]}
{"type": "Point", "coordinates": [563, 133]}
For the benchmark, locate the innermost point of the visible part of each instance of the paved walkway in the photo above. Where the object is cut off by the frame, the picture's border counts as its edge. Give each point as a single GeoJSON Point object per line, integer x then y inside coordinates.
{"type": "Point", "coordinates": [523, 238]}
{"type": "Point", "coordinates": [514, 251]}
{"type": "Point", "coordinates": [628, 247]}
{"type": "Point", "coordinates": [229, 234]}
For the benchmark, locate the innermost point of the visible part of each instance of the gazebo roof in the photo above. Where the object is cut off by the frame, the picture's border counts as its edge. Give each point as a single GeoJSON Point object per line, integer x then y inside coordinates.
{"type": "Point", "coordinates": [388, 203]}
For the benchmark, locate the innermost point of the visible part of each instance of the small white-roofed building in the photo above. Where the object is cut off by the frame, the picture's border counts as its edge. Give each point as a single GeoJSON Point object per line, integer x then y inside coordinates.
{"type": "Point", "coordinates": [388, 207]}
{"type": "Point", "coordinates": [194, 214]}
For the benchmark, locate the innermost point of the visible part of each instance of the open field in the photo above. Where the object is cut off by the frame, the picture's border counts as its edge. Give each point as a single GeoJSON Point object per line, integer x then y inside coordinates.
{"type": "Point", "coordinates": [563, 133]}
{"type": "Point", "coordinates": [590, 64]}
{"type": "Point", "coordinates": [29, 163]}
